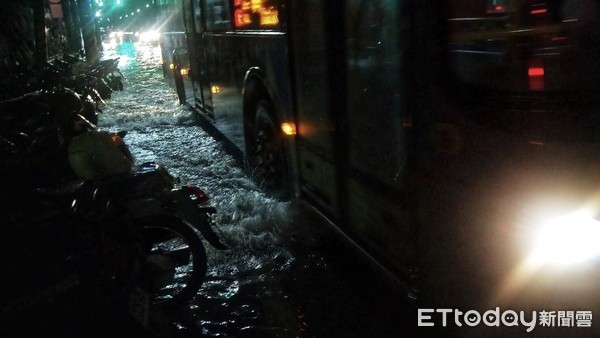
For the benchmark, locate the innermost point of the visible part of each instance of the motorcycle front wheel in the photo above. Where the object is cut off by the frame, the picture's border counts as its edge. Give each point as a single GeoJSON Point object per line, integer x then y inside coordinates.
{"type": "Point", "coordinates": [176, 262]}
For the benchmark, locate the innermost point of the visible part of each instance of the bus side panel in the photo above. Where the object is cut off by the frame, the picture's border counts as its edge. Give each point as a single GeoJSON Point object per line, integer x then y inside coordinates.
{"type": "Point", "coordinates": [354, 160]}
{"type": "Point", "coordinates": [382, 223]}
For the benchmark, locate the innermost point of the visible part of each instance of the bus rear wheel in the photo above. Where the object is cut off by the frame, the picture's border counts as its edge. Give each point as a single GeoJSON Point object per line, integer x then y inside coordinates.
{"type": "Point", "coordinates": [266, 155]}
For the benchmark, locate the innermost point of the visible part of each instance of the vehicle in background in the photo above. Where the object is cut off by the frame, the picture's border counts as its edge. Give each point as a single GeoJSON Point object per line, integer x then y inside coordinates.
{"type": "Point", "coordinates": [528, 46]}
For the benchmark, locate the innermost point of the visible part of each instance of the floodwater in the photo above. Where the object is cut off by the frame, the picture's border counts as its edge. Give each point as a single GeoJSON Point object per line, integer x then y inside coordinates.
{"type": "Point", "coordinates": [283, 274]}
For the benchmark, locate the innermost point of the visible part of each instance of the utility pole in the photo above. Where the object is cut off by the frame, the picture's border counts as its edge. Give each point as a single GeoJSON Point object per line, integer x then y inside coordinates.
{"type": "Point", "coordinates": [39, 29]}
{"type": "Point", "coordinates": [71, 18]}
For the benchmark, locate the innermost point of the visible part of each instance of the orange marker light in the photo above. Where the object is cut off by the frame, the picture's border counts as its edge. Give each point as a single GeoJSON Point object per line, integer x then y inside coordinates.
{"type": "Point", "coordinates": [185, 71]}
{"type": "Point", "coordinates": [288, 128]}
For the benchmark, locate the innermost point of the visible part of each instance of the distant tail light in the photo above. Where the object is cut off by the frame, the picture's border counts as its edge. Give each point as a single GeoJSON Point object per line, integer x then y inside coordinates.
{"type": "Point", "coordinates": [496, 6]}
{"type": "Point", "coordinates": [536, 73]}
{"type": "Point", "coordinates": [539, 11]}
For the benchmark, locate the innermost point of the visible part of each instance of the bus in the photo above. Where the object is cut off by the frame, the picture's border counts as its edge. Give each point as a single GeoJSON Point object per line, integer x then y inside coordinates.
{"type": "Point", "coordinates": [454, 143]}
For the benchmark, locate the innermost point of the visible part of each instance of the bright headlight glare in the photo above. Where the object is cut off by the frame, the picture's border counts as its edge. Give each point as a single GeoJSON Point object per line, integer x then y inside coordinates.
{"type": "Point", "coordinates": [116, 34]}
{"type": "Point", "coordinates": [149, 36]}
{"type": "Point", "coordinates": [568, 240]}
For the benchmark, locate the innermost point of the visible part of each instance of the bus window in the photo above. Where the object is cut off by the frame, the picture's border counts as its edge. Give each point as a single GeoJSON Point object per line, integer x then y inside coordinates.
{"type": "Point", "coordinates": [218, 16]}
{"type": "Point", "coordinates": [197, 17]}
{"type": "Point", "coordinates": [375, 89]}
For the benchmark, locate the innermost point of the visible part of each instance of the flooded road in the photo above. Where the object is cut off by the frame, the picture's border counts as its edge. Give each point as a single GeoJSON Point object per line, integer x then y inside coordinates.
{"type": "Point", "coordinates": [284, 274]}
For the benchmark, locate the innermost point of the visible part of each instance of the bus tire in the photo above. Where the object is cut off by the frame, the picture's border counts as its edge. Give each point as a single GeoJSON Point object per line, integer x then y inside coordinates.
{"type": "Point", "coordinates": [266, 154]}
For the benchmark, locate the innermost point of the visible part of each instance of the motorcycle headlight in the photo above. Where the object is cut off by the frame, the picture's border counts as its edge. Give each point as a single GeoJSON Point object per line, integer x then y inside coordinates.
{"type": "Point", "coordinates": [568, 240]}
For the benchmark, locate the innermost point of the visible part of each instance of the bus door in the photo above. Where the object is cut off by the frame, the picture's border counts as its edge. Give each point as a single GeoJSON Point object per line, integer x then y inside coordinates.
{"type": "Point", "coordinates": [315, 140]}
{"type": "Point", "coordinates": [377, 127]}
{"type": "Point", "coordinates": [223, 65]}
{"type": "Point", "coordinates": [353, 123]}
{"type": "Point", "coordinates": [197, 53]}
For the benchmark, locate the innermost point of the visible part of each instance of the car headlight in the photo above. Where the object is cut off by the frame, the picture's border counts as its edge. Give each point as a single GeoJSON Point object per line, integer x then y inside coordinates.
{"type": "Point", "coordinates": [150, 36]}
{"type": "Point", "coordinates": [568, 240]}
{"type": "Point", "coordinates": [560, 246]}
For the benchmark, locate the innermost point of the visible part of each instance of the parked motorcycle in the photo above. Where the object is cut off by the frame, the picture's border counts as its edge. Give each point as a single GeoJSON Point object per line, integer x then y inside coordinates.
{"type": "Point", "coordinates": [107, 235]}
{"type": "Point", "coordinates": [94, 83]}
{"type": "Point", "coordinates": [172, 222]}
{"type": "Point", "coordinates": [81, 246]}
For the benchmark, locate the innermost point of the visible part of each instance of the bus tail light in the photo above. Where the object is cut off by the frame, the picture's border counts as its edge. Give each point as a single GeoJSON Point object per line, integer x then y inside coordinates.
{"type": "Point", "coordinates": [288, 128]}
